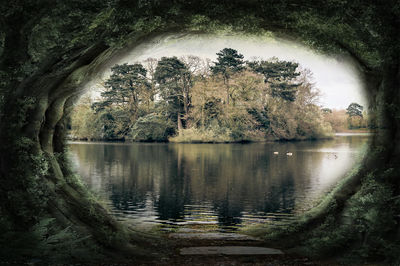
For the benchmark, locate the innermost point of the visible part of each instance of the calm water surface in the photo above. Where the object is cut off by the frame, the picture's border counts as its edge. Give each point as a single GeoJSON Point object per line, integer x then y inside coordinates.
{"type": "Point", "coordinates": [229, 185]}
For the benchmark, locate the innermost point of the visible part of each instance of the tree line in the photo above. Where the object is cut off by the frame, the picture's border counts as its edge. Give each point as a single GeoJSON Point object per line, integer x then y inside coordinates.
{"type": "Point", "coordinates": [354, 117]}
{"type": "Point", "coordinates": [190, 99]}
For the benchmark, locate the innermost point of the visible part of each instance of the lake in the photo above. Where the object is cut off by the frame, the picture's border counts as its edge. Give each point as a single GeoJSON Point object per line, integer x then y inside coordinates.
{"type": "Point", "coordinates": [224, 185]}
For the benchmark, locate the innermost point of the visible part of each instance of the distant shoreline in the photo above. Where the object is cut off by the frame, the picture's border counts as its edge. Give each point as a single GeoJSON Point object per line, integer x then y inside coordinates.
{"type": "Point", "coordinates": [348, 132]}
{"type": "Point", "coordinates": [360, 130]}
{"type": "Point", "coordinates": [99, 141]}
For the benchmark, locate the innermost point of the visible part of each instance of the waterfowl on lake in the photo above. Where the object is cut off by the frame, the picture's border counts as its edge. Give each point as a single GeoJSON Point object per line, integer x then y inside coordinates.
{"type": "Point", "coordinates": [332, 154]}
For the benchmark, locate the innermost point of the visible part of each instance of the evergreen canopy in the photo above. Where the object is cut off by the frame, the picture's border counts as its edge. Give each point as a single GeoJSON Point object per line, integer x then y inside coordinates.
{"type": "Point", "coordinates": [280, 76]}
{"type": "Point", "coordinates": [229, 61]}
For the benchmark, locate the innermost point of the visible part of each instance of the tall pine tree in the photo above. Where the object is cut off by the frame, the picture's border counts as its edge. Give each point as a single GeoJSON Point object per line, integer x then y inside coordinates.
{"type": "Point", "coordinates": [175, 82]}
{"type": "Point", "coordinates": [229, 62]}
{"type": "Point", "coordinates": [124, 88]}
{"type": "Point", "coordinates": [279, 76]}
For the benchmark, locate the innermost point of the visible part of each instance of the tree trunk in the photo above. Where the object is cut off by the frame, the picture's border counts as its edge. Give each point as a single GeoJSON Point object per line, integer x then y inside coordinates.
{"type": "Point", "coordinates": [186, 104]}
{"type": "Point", "coordinates": [180, 127]}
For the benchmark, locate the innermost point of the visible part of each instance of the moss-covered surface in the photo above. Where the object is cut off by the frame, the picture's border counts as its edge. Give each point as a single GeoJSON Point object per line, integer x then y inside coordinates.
{"type": "Point", "coordinates": [49, 49]}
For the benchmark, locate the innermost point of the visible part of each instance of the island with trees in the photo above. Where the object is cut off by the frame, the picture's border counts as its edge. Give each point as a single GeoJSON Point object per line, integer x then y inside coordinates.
{"type": "Point", "coordinates": [190, 99]}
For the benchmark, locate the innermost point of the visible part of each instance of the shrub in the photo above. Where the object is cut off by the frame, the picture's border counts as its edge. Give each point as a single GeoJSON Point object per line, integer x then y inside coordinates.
{"type": "Point", "coordinates": [152, 127]}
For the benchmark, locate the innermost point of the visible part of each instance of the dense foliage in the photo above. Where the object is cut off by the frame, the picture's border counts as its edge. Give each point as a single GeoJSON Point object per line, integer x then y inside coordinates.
{"type": "Point", "coordinates": [229, 101]}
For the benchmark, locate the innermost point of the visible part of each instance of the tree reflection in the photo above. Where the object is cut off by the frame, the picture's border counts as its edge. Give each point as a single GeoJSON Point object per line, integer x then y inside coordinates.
{"type": "Point", "coordinates": [222, 182]}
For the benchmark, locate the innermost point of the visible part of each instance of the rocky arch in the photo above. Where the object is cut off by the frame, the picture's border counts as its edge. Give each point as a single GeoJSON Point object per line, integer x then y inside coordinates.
{"type": "Point", "coordinates": [50, 48]}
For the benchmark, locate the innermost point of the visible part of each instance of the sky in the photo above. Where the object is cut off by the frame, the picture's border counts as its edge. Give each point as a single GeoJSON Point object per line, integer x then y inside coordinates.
{"type": "Point", "coordinates": [336, 78]}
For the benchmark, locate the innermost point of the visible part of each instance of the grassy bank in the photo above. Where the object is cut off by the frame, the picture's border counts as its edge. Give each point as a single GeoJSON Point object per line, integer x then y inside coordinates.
{"type": "Point", "coordinates": [222, 135]}
{"type": "Point", "coordinates": [358, 130]}
{"type": "Point", "coordinates": [194, 135]}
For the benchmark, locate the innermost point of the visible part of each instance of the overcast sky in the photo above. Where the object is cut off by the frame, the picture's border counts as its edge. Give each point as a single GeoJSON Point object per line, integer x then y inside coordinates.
{"type": "Point", "coordinates": [336, 78]}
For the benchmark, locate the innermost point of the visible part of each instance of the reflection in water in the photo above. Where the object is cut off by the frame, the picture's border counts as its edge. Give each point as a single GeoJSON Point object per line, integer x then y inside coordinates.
{"type": "Point", "coordinates": [226, 184]}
